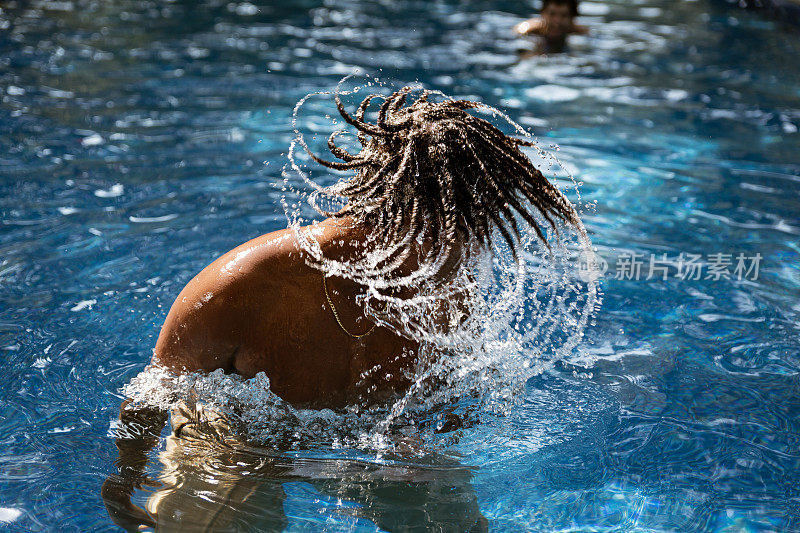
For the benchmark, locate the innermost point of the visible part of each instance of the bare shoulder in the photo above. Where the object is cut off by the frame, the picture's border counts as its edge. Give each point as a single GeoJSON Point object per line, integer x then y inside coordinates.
{"type": "Point", "coordinates": [531, 26]}
{"type": "Point", "coordinates": [214, 313]}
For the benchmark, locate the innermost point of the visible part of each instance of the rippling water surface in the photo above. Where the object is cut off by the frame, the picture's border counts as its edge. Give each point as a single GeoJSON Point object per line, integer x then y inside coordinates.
{"type": "Point", "coordinates": [140, 140]}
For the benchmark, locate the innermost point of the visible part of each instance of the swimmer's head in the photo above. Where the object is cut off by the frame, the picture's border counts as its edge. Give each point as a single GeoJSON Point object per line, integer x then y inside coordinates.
{"type": "Point", "coordinates": [434, 169]}
{"type": "Point", "coordinates": [558, 16]}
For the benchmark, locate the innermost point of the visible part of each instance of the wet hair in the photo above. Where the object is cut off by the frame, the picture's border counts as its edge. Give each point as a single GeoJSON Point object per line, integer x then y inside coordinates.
{"type": "Point", "coordinates": [433, 169]}
{"type": "Point", "coordinates": [571, 4]}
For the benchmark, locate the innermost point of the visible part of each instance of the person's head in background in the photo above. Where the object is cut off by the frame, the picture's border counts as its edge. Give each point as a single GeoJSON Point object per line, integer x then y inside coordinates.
{"type": "Point", "coordinates": [558, 17]}
{"type": "Point", "coordinates": [555, 22]}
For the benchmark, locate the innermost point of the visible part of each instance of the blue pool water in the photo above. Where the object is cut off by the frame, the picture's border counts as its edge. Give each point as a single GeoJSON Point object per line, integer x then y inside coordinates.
{"type": "Point", "coordinates": [140, 140]}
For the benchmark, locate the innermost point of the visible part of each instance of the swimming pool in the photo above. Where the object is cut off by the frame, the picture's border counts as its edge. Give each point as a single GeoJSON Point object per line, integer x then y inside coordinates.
{"type": "Point", "coordinates": [140, 140]}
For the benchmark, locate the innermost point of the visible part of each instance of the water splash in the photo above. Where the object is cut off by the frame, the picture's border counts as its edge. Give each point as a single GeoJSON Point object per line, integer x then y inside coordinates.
{"type": "Point", "coordinates": [250, 407]}
{"type": "Point", "coordinates": [507, 317]}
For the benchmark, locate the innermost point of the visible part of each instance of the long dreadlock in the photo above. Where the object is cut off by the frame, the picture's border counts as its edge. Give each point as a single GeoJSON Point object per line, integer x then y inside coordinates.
{"type": "Point", "coordinates": [433, 168]}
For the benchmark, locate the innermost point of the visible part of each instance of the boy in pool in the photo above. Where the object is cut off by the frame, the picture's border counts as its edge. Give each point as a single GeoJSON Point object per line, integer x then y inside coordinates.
{"type": "Point", "coordinates": [555, 22]}
{"type": "Point", "coordinates": [432, 182]}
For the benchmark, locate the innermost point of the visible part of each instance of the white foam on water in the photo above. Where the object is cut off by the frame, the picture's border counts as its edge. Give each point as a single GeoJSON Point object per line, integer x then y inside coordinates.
{"type": "Point", "coordinates": [253, 410]}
